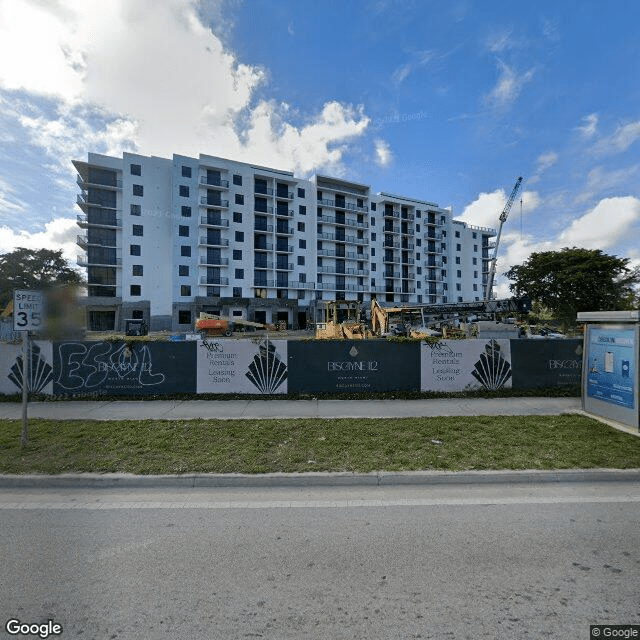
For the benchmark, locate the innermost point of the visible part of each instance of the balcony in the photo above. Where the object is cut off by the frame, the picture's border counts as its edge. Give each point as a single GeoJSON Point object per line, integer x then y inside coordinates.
{"type": "Point", "coordinates": [264, 246]}
{"type": "Point", "coordinates": [214, 282]}
{"type": "Point", "coordinates": [213, 242]}
{"type": "Point", "coordinates": [301, 285]}
{"type": "Point", "coordinates": [263, 265]}
{"type": "Point", "coordinates": [284, 266]}
{"type": "Point", "coordinates": [391, 214]}
{"type": "Point", "coordinates": [284, 194]}
{"type": "Point", "coordinates": [345, 223]}
{"type": "Point", "coordinates": [206, 261]}
{"type": "Point", "coordinates": [284, 213]}
{"type": "Point", "coordinates": [213, 204]}
{"type": "Point", "coordinates": [83, 201]}
{"type": "Point", "coordinates": [262, 191]}
{"type": "Point", "coordinates": [391, 260]}
{"type": "Point", "coordinates": [115, 183]}
{"type": "Point", "coordinates": [284, 249]}
{"type": "Point", "coordinates": [284, 231]}
{"type": "Point", "coordinates": [263, 210]}
{"type": "Point", "coordinates": [82, 260]}
{"type": "Point", "coordinates": [265, 228]}
{"type": "Point", "coordinates": [391, 229]}
{"type": "Point", "coordinates": [213, 182]}
{"type": "Point", "coordinates": [105, 221]}
{"type": "Point", "coordinates": [221, 223]}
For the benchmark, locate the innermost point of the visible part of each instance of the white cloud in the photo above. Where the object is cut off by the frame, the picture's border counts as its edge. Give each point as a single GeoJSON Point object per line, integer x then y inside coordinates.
{"type": "Point", "coordinates": [150, 76]}
{"type": "Point", "coordinates": [509, 85]}
{"type": "Point", "coordinates": [545, 161]}
{"type": "Point", "coordinates": [622, 139]}
{"type": "Point", "coordinates": [589, 128]}
{"type": "Point", "coordinates": [384, 156]}
{"type": "Point", "coordinates": [604, 225]}
{"type": "Point", "coordinates": [485, 210]}
{"type": "Point", "coordinates": [60, 233]}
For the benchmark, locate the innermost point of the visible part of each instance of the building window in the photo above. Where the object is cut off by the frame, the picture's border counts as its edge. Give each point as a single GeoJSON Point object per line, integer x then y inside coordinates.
{"type": "Point", "coordinates": [300, 260]}
{"type": "Point", "coordinates": [136, 270]}
{"type": "Point", "coordinates": [185, 290]}
{"type": "Point", "coordinates": [135, 290]}
{"type": "Point", "coordinates": [185, 251]}
{"type": "Point", "coordinates": [458, 247]}
{"type": "Point", "coordinates": [458, 273]}
{"type": "Point", "coordinates": [302, 277]}
{"type": "Point", "coordinates": [134, 249]}
{"type": "Point", "coordinates": [239, 236]}
{"type": "Point", "coordinates": [136, 210]}
{"type": "Point", "coordinates": [237, 293]}
{"type": "Point", "coordinates": [302, 209]}
{"type": "Point", "coordinates": [237, 216]}
{"type": "Point", "coordinates": [475, 247]}
{"type": "Point", "coordinates": [300, 226]}
{"type": "Point", "coordinates": [373, 237]}
{"type": "Point", "coordinates": [183, 230]}
{"type": "Point", "coordinates": [457, 234]}
{"type": "Point", "coordinates": [136, 169]}
{"type": "Point", "coordinates": [137, 230]}
{"type": "Point", "coordinates": [373, 251]}
{"type": "Point", "coordinates": [373, 206]}
{"type": "Point", "coordinates": [457, 259]}
{"type": "Point", "coordinates": [184, 316]}
{"type": "Point", "coordinates": [239, 198]}
{"type": "Point", "coordinates": [237, 179]}
{"type": "Point", "coordinates": [302, 244]}
{"type": "Point", "coordinates": [186, 212]}
{"type": "Point", "coordinates": [237, 254]}
{"type": "Point", "coordinates": [184, 191]}
{"type": "Point", "coordinates": [300, 193]}
{"type": "Point", "coordinates": [138, 190]}
{"type": "Point", "coordinates": [239, 274]}
{"type": "Point", "coordinates": [183, 270]}
{"type": "Point", "coordinates": [186, 171]}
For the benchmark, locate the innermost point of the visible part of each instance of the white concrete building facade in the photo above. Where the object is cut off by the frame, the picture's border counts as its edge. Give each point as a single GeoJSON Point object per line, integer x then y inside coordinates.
{"type": "Point", "coordinates": [164, 239]}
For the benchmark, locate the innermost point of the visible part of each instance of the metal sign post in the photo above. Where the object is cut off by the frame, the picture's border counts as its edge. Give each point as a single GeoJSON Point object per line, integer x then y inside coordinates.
{"type": "Point", "coordinates": [27, 316]}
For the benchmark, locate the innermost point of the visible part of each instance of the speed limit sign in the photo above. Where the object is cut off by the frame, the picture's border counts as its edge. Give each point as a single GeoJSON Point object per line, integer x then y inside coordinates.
{"type": "Point", "coordinates": [27, 310]}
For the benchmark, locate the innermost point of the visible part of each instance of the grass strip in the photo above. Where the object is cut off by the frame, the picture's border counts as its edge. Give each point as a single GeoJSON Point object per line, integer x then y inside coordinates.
{"type": "Point", "coordinates": [297, 445]}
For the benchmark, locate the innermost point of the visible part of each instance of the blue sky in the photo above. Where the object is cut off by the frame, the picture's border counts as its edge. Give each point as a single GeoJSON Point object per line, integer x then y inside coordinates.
{"type": "Point", "coordinates": [441, 101]}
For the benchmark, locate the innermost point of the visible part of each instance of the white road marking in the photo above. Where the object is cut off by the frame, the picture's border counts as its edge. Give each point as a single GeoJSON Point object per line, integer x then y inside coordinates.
{"type": "Point", "coordinates": [317, 504]}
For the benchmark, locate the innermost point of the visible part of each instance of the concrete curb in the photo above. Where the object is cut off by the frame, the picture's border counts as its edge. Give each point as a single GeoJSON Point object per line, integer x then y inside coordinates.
{"type": "Point", "coordinates": [312, 479]}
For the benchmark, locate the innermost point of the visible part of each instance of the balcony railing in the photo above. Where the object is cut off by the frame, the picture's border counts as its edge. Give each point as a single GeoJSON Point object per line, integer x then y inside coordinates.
{"type": "Point", "coordinates": [220, 204]}
{"type": "Point", "coordinates": [210, 222]}
{"type": "Point", "coordinates": [212, 182]}
{"type": "Point", "coordinates": [214, 282]}
{"type": "Point", "coordinates": [83, 222]}
{"type": "Point", "coordinates": [113, 184]}
{"type": "Point", "coordinates": [213, 262]}
{"type": "Point", "coordinates": [214, 242]}
{"type": "Point", "coordinates": [82, 260]}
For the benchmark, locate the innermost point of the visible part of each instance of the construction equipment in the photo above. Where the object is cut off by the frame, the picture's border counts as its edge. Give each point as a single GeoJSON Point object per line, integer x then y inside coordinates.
{"type": "Point", "coordinates": [342, 321]}
{"type": "Point", "coordinates": [503, 218]}
{"type": "Point", "coordinates": [425, 320]}
{"type": "Point", "coordinates": [210, 325]}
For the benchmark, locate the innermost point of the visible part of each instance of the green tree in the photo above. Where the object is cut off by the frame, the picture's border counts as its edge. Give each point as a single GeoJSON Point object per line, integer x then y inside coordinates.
{"type": "Point", "coordinates": [40, 269]}
{"type": "Point", "coordinates": [573, 280]}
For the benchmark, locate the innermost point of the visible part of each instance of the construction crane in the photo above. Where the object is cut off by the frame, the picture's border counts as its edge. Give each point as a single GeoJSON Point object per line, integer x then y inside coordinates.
{"type": "Point", "coordinates": [503, 217]}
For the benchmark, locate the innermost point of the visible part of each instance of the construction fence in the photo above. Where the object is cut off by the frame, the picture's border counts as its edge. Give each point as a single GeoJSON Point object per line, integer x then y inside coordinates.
{"type": "Point", "coordinates": [266, 367]}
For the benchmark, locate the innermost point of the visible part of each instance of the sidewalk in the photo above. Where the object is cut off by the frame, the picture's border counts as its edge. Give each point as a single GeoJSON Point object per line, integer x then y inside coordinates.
{"type": "Point", "coordinates": [256, 409]}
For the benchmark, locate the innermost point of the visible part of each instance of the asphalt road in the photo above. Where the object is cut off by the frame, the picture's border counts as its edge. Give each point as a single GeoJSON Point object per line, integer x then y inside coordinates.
{"type": "Point", "coordinates": [493, 561]}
